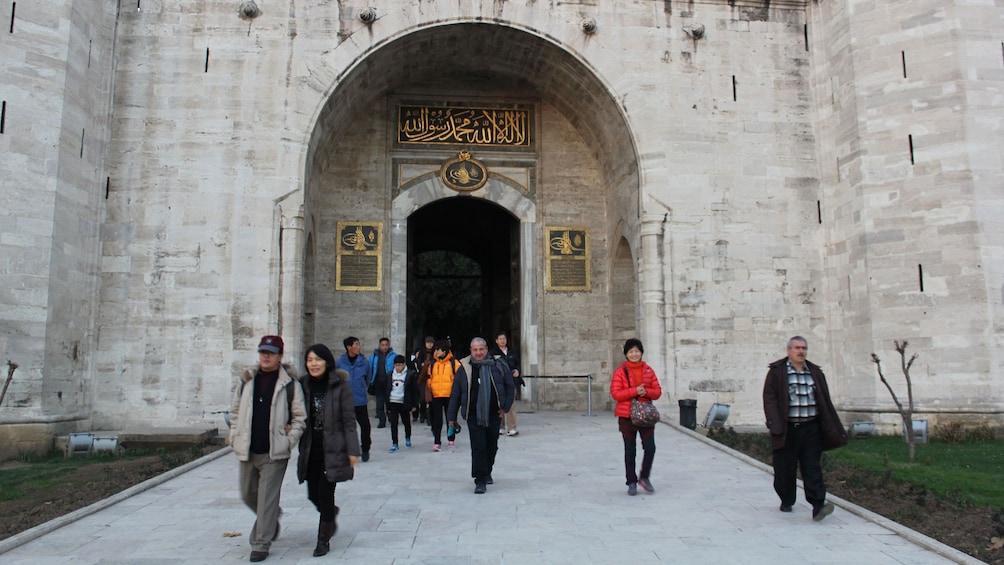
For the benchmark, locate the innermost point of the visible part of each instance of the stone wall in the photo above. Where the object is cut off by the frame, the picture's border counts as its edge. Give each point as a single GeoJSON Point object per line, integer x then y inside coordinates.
{"type": "Point", "coordinates": [57, 69]}
{"type": "Point", "coordinates": [749, 160]}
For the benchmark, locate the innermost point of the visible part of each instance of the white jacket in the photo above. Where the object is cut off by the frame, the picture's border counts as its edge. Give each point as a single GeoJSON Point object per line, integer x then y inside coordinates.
{"type": "Point", "coordinates": [281, 441]}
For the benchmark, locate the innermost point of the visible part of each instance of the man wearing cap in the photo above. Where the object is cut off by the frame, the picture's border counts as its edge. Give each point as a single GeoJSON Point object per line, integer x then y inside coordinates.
{"type": "Point", "coordinates": [267, 418]}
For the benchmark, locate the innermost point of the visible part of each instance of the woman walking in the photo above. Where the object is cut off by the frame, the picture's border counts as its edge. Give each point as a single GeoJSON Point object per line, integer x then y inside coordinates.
{"type": "Point", "coordinates": [634, 379]}
{"type": "Point", "coordinates": [329, 449]}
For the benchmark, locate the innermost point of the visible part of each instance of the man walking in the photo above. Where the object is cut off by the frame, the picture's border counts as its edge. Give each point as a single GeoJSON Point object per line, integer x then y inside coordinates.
{"type": "Point", "coordinates": [381, 367]}
{"type": "Point", "coordinates": [267, 418]}
{"type": "Point", "coordinates": [802, 423]}
{"type": "Point", "coordinates": [354, 363]}
{"type": "Point", "coordinates": [483, 392]}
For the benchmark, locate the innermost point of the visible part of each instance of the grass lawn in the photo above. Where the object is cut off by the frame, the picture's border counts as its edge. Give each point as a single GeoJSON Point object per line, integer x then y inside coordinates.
{"type": "Point", "coordinates": [972, 472]}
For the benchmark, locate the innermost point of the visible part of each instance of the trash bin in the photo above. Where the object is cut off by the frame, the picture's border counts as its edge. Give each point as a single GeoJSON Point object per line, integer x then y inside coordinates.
{"type": "Point", "coordinates": [688, 413]}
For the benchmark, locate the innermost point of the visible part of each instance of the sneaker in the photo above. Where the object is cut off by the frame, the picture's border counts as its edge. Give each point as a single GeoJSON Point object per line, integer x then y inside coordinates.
{"type": "Point", "coordinates": [785, 508]}
{"type": "Point", "coordinates": [407, 442]}
{"type": "Point", "coordinates": [393, 449]}
{"type": "Point", "coordinates": [633, 489]}
{"type": "Point", "coordinates": [501, 431]}
{"type": "Point", "coordinates": [490, 480]}
{"type": "Point", "coordinates": [451, 443]}
{"type": "Point", "coordinates": [822, 512]}
{"type": "Point", "coordinates": [480, 488]}
{"type": "Point", "coordinates": [437, 447]}
{"type": "Point", "coordinates": [647, 485]}
{"type": "Point", "coordinates": [513, 432]}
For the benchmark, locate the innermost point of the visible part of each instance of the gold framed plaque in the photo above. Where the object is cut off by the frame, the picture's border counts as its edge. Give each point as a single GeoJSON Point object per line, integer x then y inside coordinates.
{"type": "Point", "coordinates": [359, 256]}
{"type": "Point", "coordinates": [499, 125]}
{"type": "Point", "coordinates": [567, 259]}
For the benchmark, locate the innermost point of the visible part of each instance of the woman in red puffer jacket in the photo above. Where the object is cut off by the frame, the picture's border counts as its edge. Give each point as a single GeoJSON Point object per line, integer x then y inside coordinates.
{"type": "Point", "coordinates": [635, 379]}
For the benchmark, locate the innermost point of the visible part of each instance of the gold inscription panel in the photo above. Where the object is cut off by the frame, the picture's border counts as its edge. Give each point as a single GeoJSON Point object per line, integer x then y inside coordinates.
{"type": "Point", "coordinates": [567, 259]}
{"type": "Point", "coordinates": [508, 126]}
{"type": "Point", "coordinates": [358, 261]}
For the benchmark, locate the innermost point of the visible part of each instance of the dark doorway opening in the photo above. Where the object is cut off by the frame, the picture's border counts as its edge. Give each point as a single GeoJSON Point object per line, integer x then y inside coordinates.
{"type": "Point", "coordinates": [463, 273]}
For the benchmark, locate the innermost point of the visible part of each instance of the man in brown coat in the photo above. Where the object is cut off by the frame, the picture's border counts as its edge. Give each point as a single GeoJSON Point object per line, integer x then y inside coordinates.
{"type": "Point", "coordinates": [802, 423]}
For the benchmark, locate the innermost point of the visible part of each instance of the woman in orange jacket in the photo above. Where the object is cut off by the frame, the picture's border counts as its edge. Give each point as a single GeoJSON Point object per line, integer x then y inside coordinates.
{"type": "Point", "coordinates": [635, 379]}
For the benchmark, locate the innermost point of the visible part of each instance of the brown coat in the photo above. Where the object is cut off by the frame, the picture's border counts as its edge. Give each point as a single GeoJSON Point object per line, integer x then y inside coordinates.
{"type": "Point", "coordinates": [775, 406]}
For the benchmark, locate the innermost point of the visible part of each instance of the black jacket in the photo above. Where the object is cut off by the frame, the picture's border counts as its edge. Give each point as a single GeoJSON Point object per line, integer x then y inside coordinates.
{"type": "Point", "coordinates": [775, 406]}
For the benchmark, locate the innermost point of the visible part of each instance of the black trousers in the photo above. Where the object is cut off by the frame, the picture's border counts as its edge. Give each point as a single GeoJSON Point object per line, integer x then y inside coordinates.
{"type": "Point", "coordinates": [803, 448]}
{"type": "Point", "coordinates": [363, 419]}
{"type": "Point", "coordinates": [437, 415]}
{"type": "Point", "coordinates": [397, 411]}
{"type": "Point", "coordinates": [320, 490]}
{"type": "Point", "coordinates": [381, 408]}
{"type": "Point", "coordinates": [629, 432]}
{"type": "Point", "coordinates": [484, 446]}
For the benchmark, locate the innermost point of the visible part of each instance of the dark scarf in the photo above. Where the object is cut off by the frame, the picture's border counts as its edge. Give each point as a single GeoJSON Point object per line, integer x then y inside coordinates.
{"type": "Point", "coordinates": [482, 370]}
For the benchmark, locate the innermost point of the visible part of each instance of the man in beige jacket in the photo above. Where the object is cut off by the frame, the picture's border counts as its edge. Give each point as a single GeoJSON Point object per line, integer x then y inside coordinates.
{"type": "Point", "coordinates": [267, 418]}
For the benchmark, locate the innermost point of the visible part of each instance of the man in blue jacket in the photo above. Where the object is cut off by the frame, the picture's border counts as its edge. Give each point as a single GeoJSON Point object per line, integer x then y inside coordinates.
{"type": "Point", "coordinates": [354, 363]}
{"type": "Point", "coordinates": [381, 368]}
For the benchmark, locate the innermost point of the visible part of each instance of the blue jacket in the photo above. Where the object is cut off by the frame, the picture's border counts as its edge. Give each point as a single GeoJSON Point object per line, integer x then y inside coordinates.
{"type": "Point", "coordinates": [359, 376]}
{"type": "Point", "coordinates": [388, 366]}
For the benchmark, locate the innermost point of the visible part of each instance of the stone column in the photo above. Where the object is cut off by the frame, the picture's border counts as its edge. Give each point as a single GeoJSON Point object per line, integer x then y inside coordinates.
{"type": "Point", "coordinates": [291, 249]}
{"type": "Point", "coordinates": [652, 294]}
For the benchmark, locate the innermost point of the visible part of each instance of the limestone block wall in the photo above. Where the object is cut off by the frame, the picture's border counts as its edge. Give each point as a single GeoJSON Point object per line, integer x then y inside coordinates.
{"type": "Point", "coordinates": [906, 167]}
{"type": "Point", "coordinates": [203, 157]}
{"type": "Point", "coordinates": [214, 114]}
{"type": "Point", "coordinates": [55, 80]}
{"type": "Point", "coordinates": [764, 188]}
{"type": "Point", "coordinates": [729, 178]}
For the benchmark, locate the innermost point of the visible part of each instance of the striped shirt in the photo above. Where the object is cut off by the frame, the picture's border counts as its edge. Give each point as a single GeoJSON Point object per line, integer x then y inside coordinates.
{"type": "Point", "coordinates": [801, 397]}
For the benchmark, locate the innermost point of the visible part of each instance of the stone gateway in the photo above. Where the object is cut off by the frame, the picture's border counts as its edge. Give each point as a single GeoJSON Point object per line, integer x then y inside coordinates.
{"type": "Point", "coordinates": [180, 178]}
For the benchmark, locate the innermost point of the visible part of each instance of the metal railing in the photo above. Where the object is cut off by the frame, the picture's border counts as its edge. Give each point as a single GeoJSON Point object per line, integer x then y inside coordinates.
{"type": "Point", "coordinates": [589, 389]}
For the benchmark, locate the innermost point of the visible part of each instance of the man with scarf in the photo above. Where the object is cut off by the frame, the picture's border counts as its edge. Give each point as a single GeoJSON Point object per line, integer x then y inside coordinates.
{"type": "Point", "coordinates": [490, 391]}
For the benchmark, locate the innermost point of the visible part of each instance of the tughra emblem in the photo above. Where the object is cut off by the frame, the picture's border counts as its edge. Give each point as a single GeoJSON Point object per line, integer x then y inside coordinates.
{"type": "Point", "coordinates": [464, 174]}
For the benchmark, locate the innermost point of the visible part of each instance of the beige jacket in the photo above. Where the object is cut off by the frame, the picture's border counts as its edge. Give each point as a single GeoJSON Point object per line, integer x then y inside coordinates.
{"type": "Point", "coordinates": [281, 441]}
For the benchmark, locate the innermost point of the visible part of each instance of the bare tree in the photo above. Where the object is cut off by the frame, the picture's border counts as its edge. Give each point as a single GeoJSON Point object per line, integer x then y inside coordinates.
{"type": "Point", "coordinates": [11, 367]}
{"type": "Point", "coordinates": [905, 413]}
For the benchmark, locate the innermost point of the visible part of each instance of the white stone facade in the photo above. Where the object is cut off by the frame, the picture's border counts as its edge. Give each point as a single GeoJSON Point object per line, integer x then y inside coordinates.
{"type": "Point", "coordinates": [747, 170]}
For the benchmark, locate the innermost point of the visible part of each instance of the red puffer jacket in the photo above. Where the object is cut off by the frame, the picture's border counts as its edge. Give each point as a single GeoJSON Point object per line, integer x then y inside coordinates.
{"type": "Point", "coordinates": [623, 392]}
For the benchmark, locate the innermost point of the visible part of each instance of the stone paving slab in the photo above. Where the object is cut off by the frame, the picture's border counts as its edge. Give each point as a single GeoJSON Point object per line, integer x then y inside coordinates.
{"type": "Point", "coordinates": [558, 498]}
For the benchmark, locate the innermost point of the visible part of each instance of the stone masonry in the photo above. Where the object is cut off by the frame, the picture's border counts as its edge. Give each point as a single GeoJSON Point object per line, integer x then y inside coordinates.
{"type": "Point", "coordinates": [747, 170]}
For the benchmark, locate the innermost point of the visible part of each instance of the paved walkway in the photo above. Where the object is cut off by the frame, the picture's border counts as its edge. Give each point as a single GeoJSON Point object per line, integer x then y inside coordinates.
{"type": "Point", "coordinates": [558, 497]}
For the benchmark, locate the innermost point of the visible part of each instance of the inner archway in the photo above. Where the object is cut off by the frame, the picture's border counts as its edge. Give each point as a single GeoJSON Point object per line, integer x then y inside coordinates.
{"type": "Point", "coordinates": [463, 276]}
{"type": "Point", "coordinates": [580, 171]}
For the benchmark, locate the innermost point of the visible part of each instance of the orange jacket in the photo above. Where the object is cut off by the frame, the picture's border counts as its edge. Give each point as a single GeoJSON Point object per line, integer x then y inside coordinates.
{"type": "Point", "coordinates": [441, 381]}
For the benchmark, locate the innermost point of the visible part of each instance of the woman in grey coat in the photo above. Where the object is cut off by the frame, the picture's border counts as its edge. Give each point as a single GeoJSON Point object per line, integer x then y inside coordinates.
{"type": "Point", "coordinates": [329, 448]}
